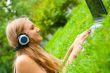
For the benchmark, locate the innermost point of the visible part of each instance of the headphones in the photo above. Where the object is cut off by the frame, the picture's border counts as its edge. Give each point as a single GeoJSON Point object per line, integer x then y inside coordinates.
{"type": "Point", "coordinates": [23, 40]}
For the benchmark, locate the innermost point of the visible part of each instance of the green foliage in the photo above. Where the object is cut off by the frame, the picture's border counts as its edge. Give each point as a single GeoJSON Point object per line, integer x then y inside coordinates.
{"type": "Point", "coordinates": [48, 11]}
{"type": "Point", "coordinates": [107, 3]}
{"type": "Point", "coordinates": [8, 12]}
{"type": "Point", "coordinates": [67, 34]}
{"type": "Point", "coordinates": [95, 55]}
{"type": "Point", "coordinates": [23, 7]}
{"type": "Point", "coordinates": [50, 15]}
{"type": "Point", "coordinates": [6, 55]}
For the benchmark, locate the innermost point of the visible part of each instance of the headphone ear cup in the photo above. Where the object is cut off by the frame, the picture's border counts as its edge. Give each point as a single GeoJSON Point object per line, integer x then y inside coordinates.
{"type": "Point", "coordinates": [23, 39]}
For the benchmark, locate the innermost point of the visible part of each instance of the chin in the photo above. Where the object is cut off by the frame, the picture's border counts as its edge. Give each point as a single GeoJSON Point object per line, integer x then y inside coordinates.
{"type": "Point", "coordinates": [39, 41]}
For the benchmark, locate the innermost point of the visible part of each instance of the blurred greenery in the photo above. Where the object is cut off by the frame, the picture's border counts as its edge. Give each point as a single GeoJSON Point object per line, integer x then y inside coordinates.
{"type": "Point", "coordinates": [63, 20]}
{"type": "Point", "coordinates": [95, 55]}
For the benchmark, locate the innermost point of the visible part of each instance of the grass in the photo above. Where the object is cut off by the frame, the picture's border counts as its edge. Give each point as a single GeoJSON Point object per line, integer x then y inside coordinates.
{"type": "Point", "coordinates": [77, 23]}
{"type": "Point", "coordinates": [95, 56]}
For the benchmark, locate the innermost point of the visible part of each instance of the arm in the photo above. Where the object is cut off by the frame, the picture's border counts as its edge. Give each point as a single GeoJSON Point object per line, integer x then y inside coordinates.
{"type": "Point", "coordinates": [76, 46]}
{"type": "Point", "coordinates": [24, 64]}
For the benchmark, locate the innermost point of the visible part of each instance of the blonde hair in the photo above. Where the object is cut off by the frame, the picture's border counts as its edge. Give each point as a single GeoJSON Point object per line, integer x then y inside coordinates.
{"type": "Point", "coordinates": [34, 51]}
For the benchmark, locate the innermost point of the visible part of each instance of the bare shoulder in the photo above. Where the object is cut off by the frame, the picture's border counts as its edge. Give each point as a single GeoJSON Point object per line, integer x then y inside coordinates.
{"type": "Point", "coordinates": [23, 59]}
{"type": "Point", "coordinates": [24, 64]}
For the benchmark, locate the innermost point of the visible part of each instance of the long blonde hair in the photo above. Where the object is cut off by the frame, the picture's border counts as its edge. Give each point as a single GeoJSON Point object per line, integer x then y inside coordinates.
{"type": "Point", "coordinates": [34, 51]}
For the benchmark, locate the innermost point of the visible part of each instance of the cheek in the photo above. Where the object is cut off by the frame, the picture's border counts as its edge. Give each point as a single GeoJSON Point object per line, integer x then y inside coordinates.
{"type": "Point", "coordinates": [36, 36]}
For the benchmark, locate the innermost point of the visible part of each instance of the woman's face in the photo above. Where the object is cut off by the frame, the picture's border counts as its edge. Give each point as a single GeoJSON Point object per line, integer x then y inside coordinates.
{"type": "Point", "coordinates": [32, 31]}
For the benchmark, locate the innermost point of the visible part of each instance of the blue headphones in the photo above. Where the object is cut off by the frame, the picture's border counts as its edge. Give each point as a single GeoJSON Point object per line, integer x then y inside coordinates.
{"type": "Point", "coordinates": [23, 40]}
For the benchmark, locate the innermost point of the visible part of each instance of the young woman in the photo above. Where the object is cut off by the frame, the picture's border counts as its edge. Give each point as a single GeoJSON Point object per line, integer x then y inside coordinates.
{"type": "Point", "coordinates": [30, 57]}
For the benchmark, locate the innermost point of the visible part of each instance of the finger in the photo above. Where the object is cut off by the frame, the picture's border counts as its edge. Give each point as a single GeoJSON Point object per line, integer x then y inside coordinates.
{"type": "Point", "coordinates": [74, 53]}
{"type": "Point", "coordinates": [68, 53]}
{"type": "Point", "coordinates": [71, 57]}
{"type": "Point", "coordinates": [85, 35]}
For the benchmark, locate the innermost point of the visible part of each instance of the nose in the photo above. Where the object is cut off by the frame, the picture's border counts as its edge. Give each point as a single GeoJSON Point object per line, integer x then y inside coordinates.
{"type": "Point", "coordinates": [37, 29]}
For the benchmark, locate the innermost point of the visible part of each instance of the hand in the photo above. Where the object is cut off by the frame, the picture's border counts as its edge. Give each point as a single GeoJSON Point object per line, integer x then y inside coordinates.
{"type": "Point", "coordinates": [77, 45]}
